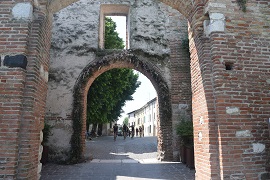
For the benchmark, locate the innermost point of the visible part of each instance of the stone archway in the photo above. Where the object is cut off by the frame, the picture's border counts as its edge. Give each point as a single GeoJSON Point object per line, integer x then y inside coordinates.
{"type": "Point", "coordinates": [230, 85]}
{"type": "Point", "coordinates": [124, 59]}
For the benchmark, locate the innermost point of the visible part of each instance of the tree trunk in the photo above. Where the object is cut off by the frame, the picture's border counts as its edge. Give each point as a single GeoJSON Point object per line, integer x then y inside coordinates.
{"type": "Point", "coordinates": [100, 129]}
{"type": "Point", "coordinates": [94, 130]}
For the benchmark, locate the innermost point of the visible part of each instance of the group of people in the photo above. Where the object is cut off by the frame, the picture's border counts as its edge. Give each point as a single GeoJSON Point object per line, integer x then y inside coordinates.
{"type": "Point", "coordinates": [128, 131]}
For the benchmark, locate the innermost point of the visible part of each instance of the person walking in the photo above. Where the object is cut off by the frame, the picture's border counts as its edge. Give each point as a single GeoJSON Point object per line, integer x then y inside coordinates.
{"type": "Point", "coordinates": [115, 131]}
{"type": "Point", "coordinates": [129, 131]}
{"type": "Point", "coordinates": [140, 130]}
{"type": "Point", "coordinates": [125, 129]}
{"type": "Point", "coordinates": [132, 131]}
{"type": "Point", "coordinates": [137, 131]}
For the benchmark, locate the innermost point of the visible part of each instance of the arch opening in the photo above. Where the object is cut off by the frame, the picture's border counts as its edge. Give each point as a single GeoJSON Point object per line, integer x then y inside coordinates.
{"type": "Point", "coordinates": [124, 59]}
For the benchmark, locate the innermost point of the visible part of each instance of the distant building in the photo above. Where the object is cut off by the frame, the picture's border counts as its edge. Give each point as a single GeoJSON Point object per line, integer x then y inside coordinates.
{"type": "Point", "coordinates": [145, 117]}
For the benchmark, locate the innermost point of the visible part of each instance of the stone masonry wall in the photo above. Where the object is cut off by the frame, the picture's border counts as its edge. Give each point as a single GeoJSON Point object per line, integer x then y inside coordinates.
{"type": "Point", "coordinates": [75, 44]}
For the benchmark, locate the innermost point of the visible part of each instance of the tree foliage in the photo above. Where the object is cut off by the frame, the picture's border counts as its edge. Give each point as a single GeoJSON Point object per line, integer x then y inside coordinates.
{"type": "Point", "coordinates": [108, 93]}
{"type": "Point", "coordinates": [126, 121]}
{"type": "Point", "coordinates": [112, 39]}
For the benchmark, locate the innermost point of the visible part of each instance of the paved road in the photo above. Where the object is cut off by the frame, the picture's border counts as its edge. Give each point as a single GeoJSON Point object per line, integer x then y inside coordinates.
{"type": "Point", "coordinates": [130, 159]}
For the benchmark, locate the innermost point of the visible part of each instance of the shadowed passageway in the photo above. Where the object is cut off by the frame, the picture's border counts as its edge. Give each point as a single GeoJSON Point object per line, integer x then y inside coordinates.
{"type": "Point", "coordinates": [124, 159]}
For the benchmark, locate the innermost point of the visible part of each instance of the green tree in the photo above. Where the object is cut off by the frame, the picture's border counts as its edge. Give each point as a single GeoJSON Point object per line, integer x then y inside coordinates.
{"type": "Point", "coordinates": [126, 121]}
{"type": "Point", "coordinates": [112, 39]}
{"type": "Point", "coordinates": [109, 92]}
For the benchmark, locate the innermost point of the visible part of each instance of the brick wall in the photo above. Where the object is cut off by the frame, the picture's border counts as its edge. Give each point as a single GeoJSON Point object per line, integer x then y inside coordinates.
{"type": "Point", "coordinates": [24, 42]}
{"type": "Point", "coordinates": [11, 95]}
{"type": "Point", "coordinates": [13, 40]}
{"type": "Point", "coordinates": [34, 97]}
{"type": "Point", "coordinates": [230, 88]}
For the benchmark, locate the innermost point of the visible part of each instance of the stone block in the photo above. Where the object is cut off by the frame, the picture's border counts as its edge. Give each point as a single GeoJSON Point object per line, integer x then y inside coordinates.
{"type": "Point", "coordinates": [23, 11]}
{"type": "Point", "coordinates": [216, 23]}
{"type": "Point", "coordinates": [244, 133]}
{"type": "Point", "coordinates": [15, 61]}
{"type": "Point", "coordinates": [258, 147]}
{"type": "Point", "coordinates": [232, 110]}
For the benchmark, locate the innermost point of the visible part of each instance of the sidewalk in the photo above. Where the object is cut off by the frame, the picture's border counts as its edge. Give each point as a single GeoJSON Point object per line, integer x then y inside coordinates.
{"type": "Point", "coordinates": [130, 159]}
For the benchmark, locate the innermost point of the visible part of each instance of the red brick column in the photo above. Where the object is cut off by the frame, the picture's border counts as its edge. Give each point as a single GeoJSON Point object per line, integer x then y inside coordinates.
{"type": "Point", "coordinates": [25, 42]}
{"type": "Point", "coordinates": [230, 89]}
{"type": "Point", "coordinates": [13, 40]}
{"type": "Point", "coordinates": [12, 83]}
{"type": "Point", "coordinates": [34, 97]}
{"type": "Point", "coordinates": [203, 110]}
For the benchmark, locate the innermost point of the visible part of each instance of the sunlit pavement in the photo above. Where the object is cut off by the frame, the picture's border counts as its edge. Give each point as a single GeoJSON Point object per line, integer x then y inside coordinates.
{"type": "Point", "coordinates": [131, 159]}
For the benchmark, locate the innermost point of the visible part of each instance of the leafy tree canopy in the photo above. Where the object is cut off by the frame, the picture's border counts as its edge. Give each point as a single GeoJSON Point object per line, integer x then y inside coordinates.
{"type": "Point", "coordinates": [112, 39]}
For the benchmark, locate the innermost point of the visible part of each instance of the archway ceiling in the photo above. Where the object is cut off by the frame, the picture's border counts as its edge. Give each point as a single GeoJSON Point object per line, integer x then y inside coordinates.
{"type": "Point", "coordinates": [183, 6]}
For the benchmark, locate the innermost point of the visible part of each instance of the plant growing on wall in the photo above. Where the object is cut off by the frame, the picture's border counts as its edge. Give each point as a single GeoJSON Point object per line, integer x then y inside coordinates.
{"type": "Point", "coordinates": [185, 45]}
{"type": "Point", "coordinates": [185, 130]}
{"type": "Point", "coordinates": [242, 5]}
{"type": "Point", "coordinates": [46, 133]}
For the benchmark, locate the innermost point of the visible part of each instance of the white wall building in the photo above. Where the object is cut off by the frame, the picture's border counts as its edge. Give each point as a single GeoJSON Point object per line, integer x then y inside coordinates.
{"type": "Point", "coordinates": [145, 117]}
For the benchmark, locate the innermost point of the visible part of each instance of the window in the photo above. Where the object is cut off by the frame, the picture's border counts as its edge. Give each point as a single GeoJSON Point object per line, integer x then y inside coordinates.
{"type": "Point", "coordinates": [113, 10]}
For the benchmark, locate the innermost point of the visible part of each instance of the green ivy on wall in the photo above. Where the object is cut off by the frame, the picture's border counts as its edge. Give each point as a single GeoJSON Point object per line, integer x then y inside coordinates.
{"type": "Point", "coordinates": [242, 4]}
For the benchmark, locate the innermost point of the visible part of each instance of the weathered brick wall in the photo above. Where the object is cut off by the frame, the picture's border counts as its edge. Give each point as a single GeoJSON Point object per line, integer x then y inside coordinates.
{"type": "Point", "coordinates": [11, 95]}
{"type": "Point", "coordinates": [230, 109]}
{"type": "Point", "coordinates": [242, 93]}
{"type": "Point", "coordinates": [34, 98]}
{"type": "Point", "coordinates": [25, 42]}
{"type": "Point", "coordinates": [13, 40]}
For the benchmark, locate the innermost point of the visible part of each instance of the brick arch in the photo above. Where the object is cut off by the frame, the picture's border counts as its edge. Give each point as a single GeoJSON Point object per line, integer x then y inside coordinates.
{"type": "Point", "coordinates": [184, 6]}
{"type": "Point", "coordinates": [124, 59]}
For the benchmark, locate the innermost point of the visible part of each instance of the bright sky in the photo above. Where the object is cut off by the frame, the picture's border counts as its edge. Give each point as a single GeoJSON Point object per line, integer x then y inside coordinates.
{"type": "Point", "coordinates": [143, 94]}
{"type": "Point", "coordinates": [146, 91]}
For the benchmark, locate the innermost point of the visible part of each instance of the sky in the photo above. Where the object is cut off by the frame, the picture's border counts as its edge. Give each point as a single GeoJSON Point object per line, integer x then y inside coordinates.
{"type": "Point", "coordinates": [145, 92]}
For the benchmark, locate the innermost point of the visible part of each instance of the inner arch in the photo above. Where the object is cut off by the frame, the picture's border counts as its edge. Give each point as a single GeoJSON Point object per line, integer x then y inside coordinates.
{"type": "Point", "coordinates": [123, 59]}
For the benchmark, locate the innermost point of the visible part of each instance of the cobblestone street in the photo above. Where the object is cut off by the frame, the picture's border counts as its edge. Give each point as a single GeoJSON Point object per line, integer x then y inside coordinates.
{"type": "Point", "coordinates": [124, 159]}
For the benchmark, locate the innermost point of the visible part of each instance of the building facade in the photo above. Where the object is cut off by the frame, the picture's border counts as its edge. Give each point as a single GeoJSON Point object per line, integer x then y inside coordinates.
{"type": "Point", "coordinates": [145, 118]}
